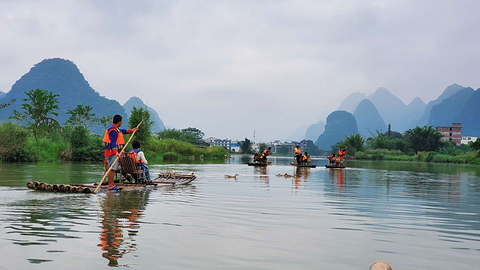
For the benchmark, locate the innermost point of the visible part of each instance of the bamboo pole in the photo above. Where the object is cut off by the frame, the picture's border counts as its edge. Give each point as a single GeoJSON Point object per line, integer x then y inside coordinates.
{"type": "Point", "coordinates": [121, 152]}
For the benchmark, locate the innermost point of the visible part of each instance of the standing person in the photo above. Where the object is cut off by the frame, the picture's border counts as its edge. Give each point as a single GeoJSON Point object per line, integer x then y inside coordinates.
{"type": "Point", "coordinates": [139, 158]}
{"type": "Point", "coordinates": [298, 154]}
{"type": "Point", "coordinates": [265, 153]}
{"type": "Point", "coordinates": [113, 142]}
{"type": "Point", "coordinates": [341, 154]}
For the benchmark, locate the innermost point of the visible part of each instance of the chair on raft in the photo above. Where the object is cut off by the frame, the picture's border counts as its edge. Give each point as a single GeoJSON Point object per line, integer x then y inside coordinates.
{"type": "Point", "coordinates": [129, 167]}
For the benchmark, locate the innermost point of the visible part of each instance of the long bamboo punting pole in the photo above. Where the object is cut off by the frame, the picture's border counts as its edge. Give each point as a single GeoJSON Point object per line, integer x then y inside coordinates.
{"type": "Point", "coordinates": [121, 152]}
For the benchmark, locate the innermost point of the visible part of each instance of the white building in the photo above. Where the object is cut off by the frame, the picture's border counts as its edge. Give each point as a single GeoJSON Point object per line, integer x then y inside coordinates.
{"type": "Point", "coordinates": [235, 148]}
{"type": "Point", "coordinates": [467, 139]}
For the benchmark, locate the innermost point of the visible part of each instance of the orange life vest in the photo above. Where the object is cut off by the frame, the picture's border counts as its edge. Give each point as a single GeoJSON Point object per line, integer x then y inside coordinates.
{"type": "Point", "coordinates": [107, 142]}
{"type": "Point", "coordinates": [341, 153]}
{"type": "Point", "coordinates": [266, 152]}
{"type": "Point", "coordinates": [298, 151]}
{"type": "Point", "coordinates": [133, 153]}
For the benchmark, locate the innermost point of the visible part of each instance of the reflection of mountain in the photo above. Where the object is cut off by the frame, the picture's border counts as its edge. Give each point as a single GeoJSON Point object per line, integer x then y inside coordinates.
{"type": "Point", "coordinates": [116, 237]}
{"type": "Point", "coordinates": [339, 125]}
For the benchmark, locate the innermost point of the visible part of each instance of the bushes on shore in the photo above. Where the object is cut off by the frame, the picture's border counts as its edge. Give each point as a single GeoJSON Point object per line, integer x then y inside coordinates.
{"type": "Point", "coordinates": [75, 143]}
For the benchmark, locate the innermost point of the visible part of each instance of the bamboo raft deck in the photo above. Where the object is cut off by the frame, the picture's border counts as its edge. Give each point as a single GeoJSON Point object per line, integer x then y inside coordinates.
{"type": "Point", "coordinates": [258, 164]}
{"type": "Point", "coordinates": [163, 179]}
{"type": "Point", "coordinates": [335, 166]}
{"type": "Point", "coordinates": [303, 165]}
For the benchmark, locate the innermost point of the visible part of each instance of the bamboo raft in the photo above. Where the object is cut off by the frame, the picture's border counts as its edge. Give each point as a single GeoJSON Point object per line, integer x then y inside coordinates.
{"type": "Point", "coordinates": [163, 179]}
{"type": "Point", "coordinates": [335, 166]}
{"type": "Point", "coordinates": [303, 165]}
{"type": "Point", "coordinates": [258, 164]}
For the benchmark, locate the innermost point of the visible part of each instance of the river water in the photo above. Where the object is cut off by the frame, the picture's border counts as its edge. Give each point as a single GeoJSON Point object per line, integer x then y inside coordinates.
{"type": "Point", "coordinates": [414, 216]}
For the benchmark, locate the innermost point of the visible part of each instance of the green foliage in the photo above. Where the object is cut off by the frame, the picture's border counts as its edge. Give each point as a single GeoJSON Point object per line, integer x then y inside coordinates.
{"type": "Point", "coordinates": [83, 146]}
{"type": "Point", "coordinates": [282, 150]}
{"type": "Point", "coordinates": [475, 145]}
{"type": "Point", "coordinates": [423, 138]}
{"type": "Point", "coordinates": [190, 135]}
{"type": "Point", "coordinates": [171, 156]}
{"type": "Point", "coordinates": [184, 150]}
{"type": "Point", "coordinates": [37, 111]}
{"type": "Point", "coordinates": [3, 105]}
{"type": "Point", "coordinates": [145, 130]}
{"type": "Point", "coordinates": [262, 146]}
{"type": "Point", "coordinates": [13, 143]}
{"type": "Point", "coordinates": [81, 116]}
{"type": "Point", "coordinates": [382, 141]}
{"type": "Point", "coordinates": [246, 146]}
{"type": "Point", "coordinates": [355, 142]}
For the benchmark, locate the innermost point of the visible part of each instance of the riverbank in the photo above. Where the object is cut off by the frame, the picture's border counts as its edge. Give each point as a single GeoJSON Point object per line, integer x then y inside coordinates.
{"type": "Point", "coordinates": [74, 144]}
{"type": "Point", "coordinates": [472, 157]}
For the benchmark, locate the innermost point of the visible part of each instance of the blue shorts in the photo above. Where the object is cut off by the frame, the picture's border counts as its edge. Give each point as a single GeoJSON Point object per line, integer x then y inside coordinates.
{"type": "Point", "coordinates": [110, 160]}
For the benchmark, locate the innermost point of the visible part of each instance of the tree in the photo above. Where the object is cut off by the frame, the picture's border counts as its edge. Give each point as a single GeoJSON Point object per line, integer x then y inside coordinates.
{"type": "Point", "coordinates": [104, 121]}
{"type": "Point", "coordinates": [37, 111]}
{"type": "Point", "coordinates": [423, 138]}
{"type": "Point", "coordinates": [246, 146]}
{"type": "Point", "coordinates": [3, 105]}
{"type": "Point", "coordinates": [262, 146]}
{"type": "Point", "coordinates": [145, 130]}
{"type": "Point", "coordinates": [282, 150]}
{"type": "Point", "coordinates": [311, 148]}
{"type": "Point", "coordinates": [81, 116]}
{"type": "Point", "coordinates": [193, 132]}
{"type": "Point", "coordinates": [355, 143]}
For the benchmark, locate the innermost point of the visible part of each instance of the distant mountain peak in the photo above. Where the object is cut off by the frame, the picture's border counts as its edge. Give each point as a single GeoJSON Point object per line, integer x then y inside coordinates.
{"type": "Point", "coordinates": [138, 103]}
{"type": "Point", "coordinates": [417, 101]}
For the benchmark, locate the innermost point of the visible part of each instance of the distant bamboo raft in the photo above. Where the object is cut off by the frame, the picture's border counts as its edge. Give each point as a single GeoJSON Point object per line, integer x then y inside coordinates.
{"type": "Point", "coordinates": [163, 179]}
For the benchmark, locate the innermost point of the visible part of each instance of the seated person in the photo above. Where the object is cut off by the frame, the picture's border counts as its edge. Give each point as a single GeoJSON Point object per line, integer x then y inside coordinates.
{"type": "Point", "coordinates": [306, 159]}
{"type": "Point", "coordinates": [331, 159]}
{"type": "Point", "coordinates": [255, 157]}
{"type": "Point", "coordinates": [139, 158]}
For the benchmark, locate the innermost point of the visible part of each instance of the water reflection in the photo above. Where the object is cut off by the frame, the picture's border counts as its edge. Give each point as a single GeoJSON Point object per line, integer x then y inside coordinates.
{"type": "Point", "coordinates": [262, 174]}
{"type": "Point", "coordinates": [338, 177]}
{"type": "Point", "coordinates": [120, 223]}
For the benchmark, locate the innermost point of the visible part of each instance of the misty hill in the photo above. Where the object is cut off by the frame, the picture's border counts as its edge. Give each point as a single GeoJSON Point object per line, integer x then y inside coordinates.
{"type": "Point", "coordinates": [391, 108]}
{"type": "Point", "coordinates": [351, 102]}
{"type": "Point", "coordinates": [470, 115]}
{"type": "Point", "coordinates": [339, 124]}
{"type": "Point", "coordinates": [447, 112]}
{"type": "Point", "coordinates": [448, 92]}
{"type": "Point", "coordinates": [138, 103]}
{"type": "Point", "coordinates": [414, 111]}
{"type": "Point", "coordinates": [62, 77]}
{"type": "Point", "coordinates": [462, 107]}
{"type": "Point", "coordinates": [314, 131]}
{"type": "Point", "coordinates": [368, 119]}
{"type": "Point", "coordinates": [2, 95]}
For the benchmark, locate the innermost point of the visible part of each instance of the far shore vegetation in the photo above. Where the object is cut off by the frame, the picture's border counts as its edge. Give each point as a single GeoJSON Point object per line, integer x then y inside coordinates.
{"type": "Point", "coordinates": [35, 135]}
{"type": "Point", "coordinates": [421, 144]}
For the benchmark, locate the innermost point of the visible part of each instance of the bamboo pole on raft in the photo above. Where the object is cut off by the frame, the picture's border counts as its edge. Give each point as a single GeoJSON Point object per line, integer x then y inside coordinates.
{"type": "Point", "coordinates": [121, 152]}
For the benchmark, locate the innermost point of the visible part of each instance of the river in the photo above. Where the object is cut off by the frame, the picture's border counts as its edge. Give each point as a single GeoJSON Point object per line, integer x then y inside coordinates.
{"type": "Point", "coordinates": [412, 215]}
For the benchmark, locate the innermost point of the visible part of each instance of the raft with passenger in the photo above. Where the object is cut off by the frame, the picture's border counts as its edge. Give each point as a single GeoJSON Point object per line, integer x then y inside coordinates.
{"type": "Point", "coordinates": [259, 164]}
{"type": "Point", "coordinates": [163, 179]}
{"type": "Point", "coordinates": [339, 166]}
{"type": "Point", "coordinates": [303, 165]}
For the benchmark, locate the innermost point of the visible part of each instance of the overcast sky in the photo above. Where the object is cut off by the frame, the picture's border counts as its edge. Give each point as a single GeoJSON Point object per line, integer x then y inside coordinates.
{"type": "Point", "coordinates": [232, 67]}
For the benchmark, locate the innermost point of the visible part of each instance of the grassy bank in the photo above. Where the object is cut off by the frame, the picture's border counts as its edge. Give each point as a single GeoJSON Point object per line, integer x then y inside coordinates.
{"type": "Point", "coordinates": [17, 144]}
{"type": "Point", "coordinates": [472, 157]}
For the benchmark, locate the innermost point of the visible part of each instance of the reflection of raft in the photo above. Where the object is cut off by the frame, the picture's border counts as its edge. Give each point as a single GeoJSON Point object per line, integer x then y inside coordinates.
{"type": "Point", "coordinates": [259, 164]}
{"type": "Point", "coordinates": [163, 179]}
{"type": "Point", "coordinates": [335, 166]}
{"type": "Point", "coordinates": [304, 166]}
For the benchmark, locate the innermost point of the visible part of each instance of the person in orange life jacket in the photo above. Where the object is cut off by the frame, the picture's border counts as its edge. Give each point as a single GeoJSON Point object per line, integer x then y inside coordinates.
{"type": "Point", "coordinates": [298, 154]}
{"type": "Point", "coordinates": [306, 159]}
{"type": "Point", "coordinates": [255, 157]}
{"type": "Point", "coordinates": [341, 154]}
{"type": "Point", "coordinates": [265, 153]}
{"type": "Point", "coordinates": [113, 142]}
{"type": "Point", "coordinates": [331, 159]}
{"type": "Point", "coordinates": [139, 157]}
